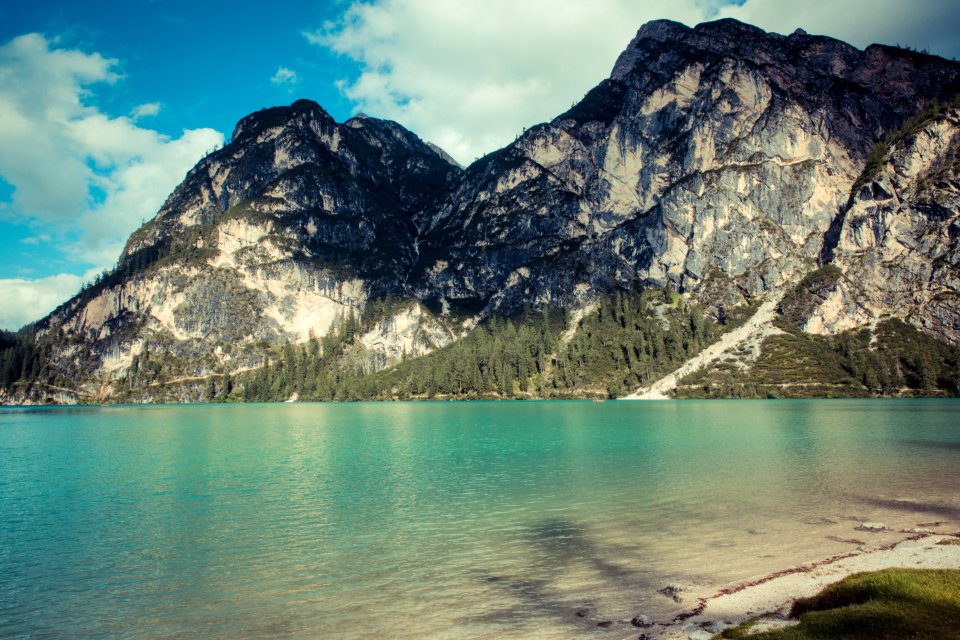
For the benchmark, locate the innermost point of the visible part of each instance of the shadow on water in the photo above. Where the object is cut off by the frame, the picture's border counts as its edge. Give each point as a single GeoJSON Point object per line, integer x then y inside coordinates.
{"type": "Point", "coordinates": [558, 546]}
{"type": "Point", "coordinates": [946, 511]}
{"type": "Point", "coordinates": [561, 543]}
{"type": "Point", "coordinates": [934, 444]}
{"type": "Point", "coordinates": [52, 409]}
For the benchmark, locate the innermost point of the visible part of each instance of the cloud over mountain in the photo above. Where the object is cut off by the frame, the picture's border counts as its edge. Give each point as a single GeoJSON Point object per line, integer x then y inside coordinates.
{"type": "Point", "coordinates": [469, 75]}
{"type": "Point", "coordinates": [79, 174]}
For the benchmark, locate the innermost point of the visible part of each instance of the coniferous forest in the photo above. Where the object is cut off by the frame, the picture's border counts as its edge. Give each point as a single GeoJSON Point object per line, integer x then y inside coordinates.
{"type": "Point", "coordinates": [20, 360]}
{"type": "Point", "coordinates": [628, 340]}
{"type": "Point", "coordinates": [625, 341]}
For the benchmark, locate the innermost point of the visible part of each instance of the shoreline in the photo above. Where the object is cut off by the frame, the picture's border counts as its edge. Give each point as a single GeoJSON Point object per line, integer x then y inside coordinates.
{"type": "Point", "coordinates": [468, 400]}
{"type": "Point", "coordinates": [770, 596]}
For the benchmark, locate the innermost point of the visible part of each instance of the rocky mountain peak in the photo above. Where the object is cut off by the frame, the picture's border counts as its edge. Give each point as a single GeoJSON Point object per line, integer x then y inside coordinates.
{"type": "Point", "coordinates": [727, 37]}
{"type": "Point", "coordinates": [663, 42]}
{"type": "Point", "coordinates": [732, 28]}
{"type": "Point", "coordinates": [443, 154]}
{"type": "Point", "coordinates": [653, 31]}
{"type": "Point", "coordinates": [718, 153]}
{"type": "Point", "coordinates": [715, 162]}
{"type": "Point", "coordinates": [661, 29]}
{"type": "Point", "coordinates": [300, 113]}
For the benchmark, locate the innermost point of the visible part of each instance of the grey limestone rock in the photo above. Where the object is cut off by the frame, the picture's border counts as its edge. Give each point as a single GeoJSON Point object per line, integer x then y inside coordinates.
{"type": "Point", "coordinates": [716, 159]}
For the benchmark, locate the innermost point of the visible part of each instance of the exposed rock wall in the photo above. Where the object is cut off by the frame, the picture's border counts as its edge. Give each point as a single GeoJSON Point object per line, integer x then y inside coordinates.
{"type": "Point", "coordinates": [720, 152]}
{"type": "Point", "coordinates": [411, 332]}
{"type": "Point", "coordinates": [898, 242]}
{"type": "Point", "coordinates": [715, 160]}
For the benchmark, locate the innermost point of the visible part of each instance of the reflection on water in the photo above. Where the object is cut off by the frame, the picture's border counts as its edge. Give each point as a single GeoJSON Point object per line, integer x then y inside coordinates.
{"type": "Point", "coordinates": [439, 520]}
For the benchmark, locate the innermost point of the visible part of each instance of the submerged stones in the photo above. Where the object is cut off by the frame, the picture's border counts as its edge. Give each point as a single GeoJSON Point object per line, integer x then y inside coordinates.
{"type": "Point", "coordinates": [846, 540]}
{"type": "Point", "coordinates": [873, 527]}
{"type": "Point", "coordinates": [673, 592]}
{"type": "Point", "coordinates": [721, 544]}
{"type": "Point", "coordinates": [641, 621]}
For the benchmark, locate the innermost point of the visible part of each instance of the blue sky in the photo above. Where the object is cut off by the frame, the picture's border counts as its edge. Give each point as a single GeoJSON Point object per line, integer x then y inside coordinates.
{"type": "Point", "coordinates": [104, 106]}
{"type": "Point", "coordinates": [208, 62]}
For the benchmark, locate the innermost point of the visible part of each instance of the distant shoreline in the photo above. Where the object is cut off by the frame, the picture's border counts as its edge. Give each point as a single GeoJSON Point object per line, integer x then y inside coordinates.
{"type": "Point", "coordinates": [94, 405]}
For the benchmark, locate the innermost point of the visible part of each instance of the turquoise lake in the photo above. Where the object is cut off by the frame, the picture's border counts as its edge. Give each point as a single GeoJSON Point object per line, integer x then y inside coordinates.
{"type": "Point", "coordinates": [440, 520]}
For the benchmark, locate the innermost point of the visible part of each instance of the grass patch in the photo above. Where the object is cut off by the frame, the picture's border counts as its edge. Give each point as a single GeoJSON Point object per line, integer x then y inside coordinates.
{"type": "Point", "coordinates": [893, 604]}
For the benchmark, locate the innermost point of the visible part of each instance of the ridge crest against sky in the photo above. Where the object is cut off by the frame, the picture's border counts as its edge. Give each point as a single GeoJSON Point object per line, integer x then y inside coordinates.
{"type": "Point", "coordinates": [104, 106]}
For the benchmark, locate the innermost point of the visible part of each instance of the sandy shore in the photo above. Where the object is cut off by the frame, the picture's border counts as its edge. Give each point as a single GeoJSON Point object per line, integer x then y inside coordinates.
{"type": "Point", "coordinates": [775, 593]}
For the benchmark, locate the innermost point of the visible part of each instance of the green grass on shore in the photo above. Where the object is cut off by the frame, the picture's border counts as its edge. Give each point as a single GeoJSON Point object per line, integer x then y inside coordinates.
{"type": "Point", "coordinates": [893, 604]}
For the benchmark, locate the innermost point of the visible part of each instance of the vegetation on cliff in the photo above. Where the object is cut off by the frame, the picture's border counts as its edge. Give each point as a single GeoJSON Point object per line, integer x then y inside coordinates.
{"type": "Point", "coordinates": [629, 339]}
{"type": "Point", "coordinates": [913, 125]}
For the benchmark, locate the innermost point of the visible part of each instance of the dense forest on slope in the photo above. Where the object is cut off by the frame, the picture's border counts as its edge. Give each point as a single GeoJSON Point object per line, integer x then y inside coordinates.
{"type": "Point", "coordinates": [626, 341]}
{"type": "Point", "coordinates": [22, 363]}
{"type": "Point", "coordinates": [895, 359]}
{"type": "Point", "coordinates": [891, 358]}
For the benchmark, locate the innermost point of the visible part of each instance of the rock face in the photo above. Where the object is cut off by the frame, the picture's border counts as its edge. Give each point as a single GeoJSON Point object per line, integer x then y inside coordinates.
{"type": "Point", "coordinates": [717, 160]}
{"type": "Point", "coordinates": [720, 152]}
{"type": "Point", "coordinates": [411, 332]}
{"type": "Point", "coordinates": [283, 233]}
{"type": "Point", "coordinates": [897, 241]}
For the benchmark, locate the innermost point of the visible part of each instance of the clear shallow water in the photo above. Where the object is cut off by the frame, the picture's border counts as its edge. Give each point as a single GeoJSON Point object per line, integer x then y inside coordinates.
{"type": "Point", "coordinates": [439, 520]}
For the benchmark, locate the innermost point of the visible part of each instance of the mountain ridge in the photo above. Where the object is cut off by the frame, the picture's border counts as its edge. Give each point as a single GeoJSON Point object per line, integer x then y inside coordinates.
{"type": "Point", "coordinates": [717, 161]}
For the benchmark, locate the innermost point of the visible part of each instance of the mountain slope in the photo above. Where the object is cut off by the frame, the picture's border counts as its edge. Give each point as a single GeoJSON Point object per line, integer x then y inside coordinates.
{"type": "Point", "coordinates": [720, 152]}
{"type": "Point", "coordinates": [283, 233]}
{"type": "Point", "coordinates": [717, 162]}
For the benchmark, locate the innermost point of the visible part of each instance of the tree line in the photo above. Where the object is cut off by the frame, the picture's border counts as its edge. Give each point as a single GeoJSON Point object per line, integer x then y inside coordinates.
{"type": "Point", "coordinates": [22, 362]}
{"type": "Point", "coordinates": [628, 340]}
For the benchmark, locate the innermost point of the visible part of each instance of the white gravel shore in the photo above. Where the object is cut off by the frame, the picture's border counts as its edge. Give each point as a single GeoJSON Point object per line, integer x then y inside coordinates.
{"type": "Point", "coordinates": [774, 594]}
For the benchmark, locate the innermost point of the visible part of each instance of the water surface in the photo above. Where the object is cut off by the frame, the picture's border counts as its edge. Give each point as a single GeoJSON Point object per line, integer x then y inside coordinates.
{"type": "Point", "coordinates": [439, 520]}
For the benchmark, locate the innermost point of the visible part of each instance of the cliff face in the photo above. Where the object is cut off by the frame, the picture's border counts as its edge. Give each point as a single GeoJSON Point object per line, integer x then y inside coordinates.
{"type": "Point", "coordinates": [717, 160]}
{"type": "Point", "coordinates": [716, 153]}
{"type": "Point", "coordinates": [897, 242]}
{"type": "Point", "coordinates": [282, 234]}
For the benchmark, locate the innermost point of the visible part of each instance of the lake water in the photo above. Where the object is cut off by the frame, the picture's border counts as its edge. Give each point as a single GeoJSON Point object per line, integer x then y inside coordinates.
{"type": "Point", "coordinates": [440, 520]}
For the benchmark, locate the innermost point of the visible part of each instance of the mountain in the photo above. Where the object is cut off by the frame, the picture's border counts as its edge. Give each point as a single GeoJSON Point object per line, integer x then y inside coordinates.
{"type": "Point", "coordinates": [794, 180]}
{"type": "Point", "coordinates": [720, 153]}
{"type": "Point", "coordinates": [896, 239]}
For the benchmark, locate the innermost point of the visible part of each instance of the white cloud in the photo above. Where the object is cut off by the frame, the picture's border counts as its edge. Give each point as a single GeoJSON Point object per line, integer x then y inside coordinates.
{"type": "Point", "coordinates": [35, 240]}
{"type": "Point", "coordinates": [80, 175]}
{"type": "Point", "coordinates": [145, 110]}
{"type": "Point", "coordinates": [284, 76]}
{"type": "Point", "coordinates": [469, 75]}
{"type": "Point", "coordinates": [921, 24]}
{"type": "Point", "coordinates": [28, 300]}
